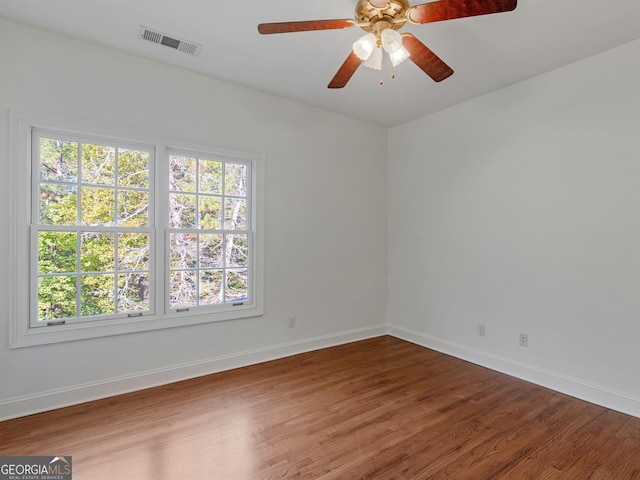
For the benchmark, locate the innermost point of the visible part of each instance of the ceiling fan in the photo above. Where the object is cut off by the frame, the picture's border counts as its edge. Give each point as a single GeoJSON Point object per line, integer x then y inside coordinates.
{"type": "Point", "coordinates": [381, 19]}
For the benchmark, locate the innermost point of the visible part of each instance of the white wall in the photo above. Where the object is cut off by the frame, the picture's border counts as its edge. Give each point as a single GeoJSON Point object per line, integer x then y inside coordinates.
{"type": "Point", "coordinates": [325, 222]}
{"type": "Point", "coordinates": [521, 210]}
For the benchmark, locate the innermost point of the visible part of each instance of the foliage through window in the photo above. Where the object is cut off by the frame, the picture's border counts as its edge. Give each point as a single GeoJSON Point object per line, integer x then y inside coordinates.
{"type": "Point", "coordinates": [209, 236]}
{"type": "Point", "coordinates": [92, 228]}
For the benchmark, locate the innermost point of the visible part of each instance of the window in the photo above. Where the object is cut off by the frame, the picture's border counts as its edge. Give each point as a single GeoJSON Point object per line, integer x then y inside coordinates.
{"type": "Point", "coordinates": [209, 231]}
{"type": "Point", "coordinates": [129, 235]}
{"type": "Point", "coordinates": [91, 229]}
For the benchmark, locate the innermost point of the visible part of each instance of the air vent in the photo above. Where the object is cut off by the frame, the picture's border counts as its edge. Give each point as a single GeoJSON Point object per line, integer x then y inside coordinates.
{"type": "Point", "coordinates": [176, 43]}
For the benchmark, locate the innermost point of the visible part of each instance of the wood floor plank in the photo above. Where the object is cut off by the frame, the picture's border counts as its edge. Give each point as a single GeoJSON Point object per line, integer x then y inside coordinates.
{"type": "Point", "coordinates": [377, 409]}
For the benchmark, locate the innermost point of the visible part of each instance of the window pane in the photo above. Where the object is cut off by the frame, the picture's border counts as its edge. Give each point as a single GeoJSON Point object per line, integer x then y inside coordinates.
{"type": "Point", "coordinates": [133, 251]}
{"type": "Point", "coordinates": [235, 179]}
{"type": "Point", "coordinates": [98, 164]}
{"type": "Point", "coordinates": [56, 297]}
{"type": "Point", "coordinates": [183, 253]}
{"type": "Point", "coordinates": [98, 206]}
{"type": "Point", "coordinates": [97, 252]}
{"type": "Point", "coordinates": [211, 287]}
{"type": "Point", "coordinates": [57, 252]}
{"type": "Point", "coordinates": [133, 208]}
{"type": "Point", "coordinates": [211, 250]}
{"type": "Point", "coordinates": [58, 160]}
{"type": "Point", "coordinates": [133, 168]}
{"type": "Point", "coordinates": [236, 288]}
{"type": "Point", "coordinates": [58, 205]}
{"type": "Point", "coordinates": [133, 292]}
{"type": "Point", "coordinates": [97, 295]}
{"type": "Point", "coordinates": [210, 177]}
{"type": "Point", "coordinates": [209, 212]}
{"type": "Point", "coordinates": [182, 289]}
{"type": "Point", "coordinates": [235, 214]}
{"type": "Point", "coordinates": [182, 211]}
{"type": "Point", "coordinates": [182, 173]}
{"type": "Point", "coordinates": [238, 250]}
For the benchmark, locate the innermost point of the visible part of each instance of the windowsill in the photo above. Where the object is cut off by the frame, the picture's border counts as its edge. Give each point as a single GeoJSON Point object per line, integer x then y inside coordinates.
{"type": "Point", "coordinates": [86, 330]}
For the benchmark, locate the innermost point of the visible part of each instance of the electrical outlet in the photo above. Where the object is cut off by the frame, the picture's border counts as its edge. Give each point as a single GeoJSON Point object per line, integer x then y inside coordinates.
{"type": "Point", "coordinates": [292, 322]}
{"type": "Point", "coordinates": [480, 329]}
{"type": "Point", "coordinates": [523, 340]}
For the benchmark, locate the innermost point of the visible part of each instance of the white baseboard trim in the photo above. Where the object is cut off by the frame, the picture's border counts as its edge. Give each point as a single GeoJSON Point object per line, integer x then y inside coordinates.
{"type": "Point", "coordinates": [64, 397]}
{"type": "Point", "coordinates": [574, 387]}
{"type": "Point", "coordinates": [58, 398]}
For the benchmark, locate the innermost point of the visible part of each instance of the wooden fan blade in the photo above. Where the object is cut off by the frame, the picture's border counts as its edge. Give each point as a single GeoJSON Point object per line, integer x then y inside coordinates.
{"type": "Point", "coordinates": [346, 71]}
{"type": "Point", "coordinates": [451, 9]}
{"type": "Point", "coordinates": [304, 26]}
{"type": "Point", "coordinates": [428, 61]}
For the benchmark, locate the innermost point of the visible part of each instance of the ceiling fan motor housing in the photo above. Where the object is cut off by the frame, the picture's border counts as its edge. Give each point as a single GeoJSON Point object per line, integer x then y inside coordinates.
{"type": "Point", "coordinates": [375, 20]}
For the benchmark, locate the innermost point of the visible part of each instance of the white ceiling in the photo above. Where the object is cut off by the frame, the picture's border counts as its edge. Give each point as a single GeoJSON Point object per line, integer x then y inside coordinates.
{"type": "Point", "coordinates": [486, 52]}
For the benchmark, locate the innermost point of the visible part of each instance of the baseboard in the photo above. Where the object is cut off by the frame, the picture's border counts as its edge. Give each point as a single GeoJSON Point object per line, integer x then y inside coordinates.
{"type": "Point", "coordinates": [64, 397]}
{"type": "Point", "coordinates": [560, 383]}
{"type": "Point", "coordinates": [52, 399]}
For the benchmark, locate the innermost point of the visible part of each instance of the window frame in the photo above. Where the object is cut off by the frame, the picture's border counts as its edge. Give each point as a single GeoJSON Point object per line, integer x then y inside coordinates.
{"type": "Point", "coordinates": [209, 156]}
{"type": "Point", "coordinates": [22, 334]}
{"type": "Point", "coordinates": [36, 227]}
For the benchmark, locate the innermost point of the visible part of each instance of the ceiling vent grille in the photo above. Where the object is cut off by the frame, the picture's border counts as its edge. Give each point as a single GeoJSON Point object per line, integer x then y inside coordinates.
{"type": "Point", "coordinates": [176, 43]}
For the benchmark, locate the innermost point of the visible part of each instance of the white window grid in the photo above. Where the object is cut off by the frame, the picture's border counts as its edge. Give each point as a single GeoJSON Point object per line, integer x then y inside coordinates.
{"type": "Point", "coordinates": [78, 228]}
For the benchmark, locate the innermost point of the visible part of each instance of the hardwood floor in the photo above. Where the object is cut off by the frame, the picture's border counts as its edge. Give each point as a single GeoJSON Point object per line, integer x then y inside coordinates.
{"type": "Point", "coordinates": [376, 409]}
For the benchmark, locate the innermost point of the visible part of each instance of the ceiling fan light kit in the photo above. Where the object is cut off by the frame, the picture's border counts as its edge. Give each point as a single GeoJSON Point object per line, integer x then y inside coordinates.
{"type": "Point", "coordinates": [375, 59]}
{"type": "Point", "coordinates": [363, 47]}
{"type": "Point", "coordinates": [381, 19]}
{"type": "Point", "coordinates": [391, 40]}
{"type": "Point", "coordinates": [398, 56]}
